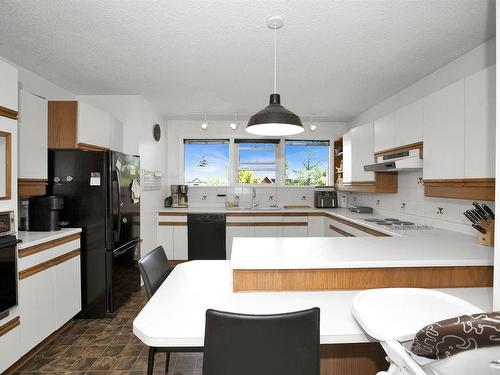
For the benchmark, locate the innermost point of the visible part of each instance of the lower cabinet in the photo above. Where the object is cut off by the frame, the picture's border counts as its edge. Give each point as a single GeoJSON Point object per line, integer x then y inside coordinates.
{"type": "Point", "coordinates": [174, 239]}
{"type": "Point", "coordinates": [68, 284]}
{"type": "Point", "coordinates": [236, 231]}
{"type": "Point", "coordinates": [180, 242]}
{"type": "Point", "coordinates": [10, 344]}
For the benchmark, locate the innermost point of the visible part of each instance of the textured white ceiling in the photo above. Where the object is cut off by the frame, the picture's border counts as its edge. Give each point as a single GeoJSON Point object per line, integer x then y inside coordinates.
{"type": "Point", "coordinates": [335, 57]}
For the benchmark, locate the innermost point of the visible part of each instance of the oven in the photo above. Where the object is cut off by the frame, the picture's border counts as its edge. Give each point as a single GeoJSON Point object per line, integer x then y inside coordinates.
{"type": "Point", "coordinates": [8, 277]}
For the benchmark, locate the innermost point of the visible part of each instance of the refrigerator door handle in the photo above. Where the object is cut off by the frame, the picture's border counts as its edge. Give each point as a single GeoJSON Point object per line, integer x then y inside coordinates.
{"type": "Point", "coordinates": [126, 248]}
{"type": "Point", "coordinates": [118, 197]}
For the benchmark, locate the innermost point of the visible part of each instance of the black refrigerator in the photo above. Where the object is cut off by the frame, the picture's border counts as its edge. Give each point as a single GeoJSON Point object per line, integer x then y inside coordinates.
{"type": "Point", "coordinates": [101, 192]}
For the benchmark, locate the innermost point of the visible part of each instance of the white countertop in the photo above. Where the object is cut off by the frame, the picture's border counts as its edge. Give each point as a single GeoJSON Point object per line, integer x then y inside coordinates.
{"type": "Point", "coordinates": [35, 238]}
{"type": "Point", "coordinates": [425, 250]}
{"type": "Point", "coordinates": [175, 316]}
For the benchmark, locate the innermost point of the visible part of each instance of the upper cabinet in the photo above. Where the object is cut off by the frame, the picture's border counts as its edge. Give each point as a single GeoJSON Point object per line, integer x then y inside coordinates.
{"type": "Point", "coordinates": [444, 123]}
{"type": "Point", "coordinates": [32, 162]}
{"type": "Point", "coordinates": [400, 128]}
{"type": "Point", "coordinates": [8, 91]}
{"type": "Point", "coordinates": [459, 139]}
{"type": "Point", "coordinates": [93, 125]}
{"type": "Point", "coordinates": [480, 124]}
{"type": "Point", "coordinates": [76, 124]}
{"type": "Point", "coordinates": [358, 151]}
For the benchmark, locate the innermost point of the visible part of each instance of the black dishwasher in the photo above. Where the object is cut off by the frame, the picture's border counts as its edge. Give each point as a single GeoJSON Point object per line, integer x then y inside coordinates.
{"type": "Point", "coordinates": [206, 236]}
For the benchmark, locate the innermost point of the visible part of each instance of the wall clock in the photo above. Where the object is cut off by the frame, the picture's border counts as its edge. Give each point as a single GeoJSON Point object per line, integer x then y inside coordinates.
{"type": "Point", "coordinates": [157, 132]}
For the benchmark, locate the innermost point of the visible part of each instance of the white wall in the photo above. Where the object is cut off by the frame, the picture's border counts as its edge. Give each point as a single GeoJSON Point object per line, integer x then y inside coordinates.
{"type": "Point", "coordinates": [138, 116]}
{"type": "Point", "coordinates": [178, 130]}
{"type": "Point", "coordinates": [467, 64]}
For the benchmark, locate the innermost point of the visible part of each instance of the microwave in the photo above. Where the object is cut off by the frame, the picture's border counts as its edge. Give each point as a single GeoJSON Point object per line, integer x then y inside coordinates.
{"type": "Point", "coordinates": [7, 226]}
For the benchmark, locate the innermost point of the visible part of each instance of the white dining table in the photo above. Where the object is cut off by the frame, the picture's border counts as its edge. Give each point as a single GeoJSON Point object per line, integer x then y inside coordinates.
{"type": "Point", "coordinates": [175, 315]}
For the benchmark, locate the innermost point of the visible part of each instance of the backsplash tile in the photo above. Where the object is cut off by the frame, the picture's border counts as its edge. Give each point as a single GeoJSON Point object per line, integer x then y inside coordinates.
{"type": "Point", "coordinates": [418, 207]}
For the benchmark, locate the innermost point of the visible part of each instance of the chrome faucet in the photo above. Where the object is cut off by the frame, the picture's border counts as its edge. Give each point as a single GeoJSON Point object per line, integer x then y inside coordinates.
{"type": "Point", "coordinates": [254, 201]}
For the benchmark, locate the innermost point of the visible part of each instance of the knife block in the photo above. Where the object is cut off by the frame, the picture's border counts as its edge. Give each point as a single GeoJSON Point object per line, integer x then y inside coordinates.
{"type": "Point", "coordinates": [487, 239]}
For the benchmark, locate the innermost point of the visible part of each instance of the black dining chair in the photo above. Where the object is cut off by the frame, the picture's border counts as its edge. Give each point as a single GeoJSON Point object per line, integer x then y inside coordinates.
{"type": "Point", "coordinates": [154, 270]}
{"type": "Point", "coordinates": [281, 344]}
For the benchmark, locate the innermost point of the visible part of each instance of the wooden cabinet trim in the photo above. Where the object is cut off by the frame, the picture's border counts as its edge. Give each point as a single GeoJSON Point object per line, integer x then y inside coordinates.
{"type": "Point", "coordinates": [385, 183]}
{"type": "Point", "coordinates": [27, 187]}
{"type": "Point", "coordinates": [90, 147]}
{"type": "Point", "coordinates": [172, 213]}
{"type": "Point", "coordinates": [172, 223]}
{"type": "Point", "coordinates": [361, 278]}
{"type": "Point", "coordinates": [8, 165]}
{"type": "Point", "coordinates": [48, 264]}
{"type": "Point", "coordinates": [340, 231]}
{"type": "Point", "coordinates": [9, 113]}
{"type": "Point", "coordinates": [47, 245]}
{"type": "Point", "coordinates": [469, 188]}
{"type": "Point", "coordinates": [268, 224]}
{"type": "Point", "coordinates": [362, 228]}
{"type": "Point", "coordinates": [10, 325]}
{"type": "Point", "coordinates": [412, 146]}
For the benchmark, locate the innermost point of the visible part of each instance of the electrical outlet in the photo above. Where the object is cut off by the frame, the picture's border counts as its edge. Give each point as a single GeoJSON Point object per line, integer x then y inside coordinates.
{"type": "Point", "coordinates": [271, 197]}
{"type": "Point", "coordinates": [204, 197]}
{"type": "Point", "coordinates": [440, 211]}
{"type": "Point", "coordinates": [420, 181]}
{"type": "Point", "coordinates": [303, 198]}
{"type": "Point", "coordinates": [403, 205]}
{"type": "Point", "coordinates": [354, 199]}
{"type": "Point", "coordinates": [377, 202]}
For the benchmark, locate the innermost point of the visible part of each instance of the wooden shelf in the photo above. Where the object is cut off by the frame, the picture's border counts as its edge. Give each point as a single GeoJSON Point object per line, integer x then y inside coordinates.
{"type": "Point", "coordinates": [470, 188]}
{"type": "Point", "coordinates": [385, 183]}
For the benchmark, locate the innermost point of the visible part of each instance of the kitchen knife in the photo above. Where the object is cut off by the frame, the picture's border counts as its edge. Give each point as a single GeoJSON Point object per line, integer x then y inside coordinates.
{"type": "Point", "coordinates": [488, 211]}
{"type": "Point", "coordinates": [481, 214]}
{"type": "Point", "coordinates": [476, 215]}
{"type": "Point", "coordinates": [469, 216]}
{"type": "Point", "coordinates": [479, 228]}
{"type": "Point", "coordinates": [480, 210]}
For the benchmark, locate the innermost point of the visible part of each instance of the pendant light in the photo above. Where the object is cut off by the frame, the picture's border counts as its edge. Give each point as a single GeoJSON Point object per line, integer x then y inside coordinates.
{"type": "Point", "coordinates": [274, 120]}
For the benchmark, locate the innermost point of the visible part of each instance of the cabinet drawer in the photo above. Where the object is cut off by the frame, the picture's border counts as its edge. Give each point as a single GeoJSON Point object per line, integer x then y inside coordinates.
{"type": "Point", "coordinates": [31, 256]}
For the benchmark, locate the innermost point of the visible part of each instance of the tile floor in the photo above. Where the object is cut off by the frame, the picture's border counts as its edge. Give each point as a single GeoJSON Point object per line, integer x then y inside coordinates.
{"type": "Point", "coordinates": [107, 347]}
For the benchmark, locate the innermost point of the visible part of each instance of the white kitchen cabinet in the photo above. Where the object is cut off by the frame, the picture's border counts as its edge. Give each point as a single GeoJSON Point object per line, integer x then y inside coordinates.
{"type": "Point", "coordinates": [409, 124]}
{"type": "Point", "coordinates": [10, 347]}
{"type": "Point", "coordinates": [296, 228]}
{"type": "Point", "coordinates": [267, 229]}
{"type": "Point", "coordinates": [93, 125]}
{"type": "Point", "coordinates": [444, 144]}
{"type": "Point", "coordinates": [480, 124]}
{"type": "Point", "coordinates": [358, 151]}
{"type": "Point", "coordinates": [180, 242]}
{"type": "Point", "coordinates": [67, 281]}
{"type": "Point", "coordinates": [32, 122]}
{"type": "Point", "coordinates": [165, 238]}
{"type": "Point", "coordinates": [238, 231]}
{"type": "Point", "coordinates": [9, 86]}
{"type": "Point", "coordinates": [37, 306]}
{"type": "Point", "coordinates": [399, 128]}
{"type": "Point", "coordinates": [315, 226]}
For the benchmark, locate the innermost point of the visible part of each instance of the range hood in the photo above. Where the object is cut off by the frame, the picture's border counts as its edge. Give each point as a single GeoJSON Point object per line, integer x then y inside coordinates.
{"type": "Point", "coordinates": [400, 161]}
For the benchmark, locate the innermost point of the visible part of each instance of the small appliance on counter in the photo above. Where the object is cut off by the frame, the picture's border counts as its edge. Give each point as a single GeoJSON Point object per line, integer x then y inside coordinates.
{"type": "Point", "coordinates": [325, 197]}
{"type": "Point", "coordinates": [179, 195]}
{"type": "Point", "coordinates": [43, 213]}
{"type": "Point", "coordinates": [361, 209]}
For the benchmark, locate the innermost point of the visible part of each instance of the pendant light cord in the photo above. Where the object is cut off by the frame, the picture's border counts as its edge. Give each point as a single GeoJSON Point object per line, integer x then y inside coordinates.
{"type": "Point", "coordinates": [275, 62]}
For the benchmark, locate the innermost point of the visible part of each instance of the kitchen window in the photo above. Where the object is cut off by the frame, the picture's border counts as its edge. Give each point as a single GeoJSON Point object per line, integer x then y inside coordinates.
{"type": "Point", "coordinates": [206, 162]}
{"type": "Point", "coordinates": [256, 161]}
{"type": "Point", "coordinates": [307, 163]}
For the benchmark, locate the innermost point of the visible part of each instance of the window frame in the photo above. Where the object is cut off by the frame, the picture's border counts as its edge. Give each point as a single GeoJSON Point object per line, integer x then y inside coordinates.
{"type": "Point", "coordinates": [329, 159]}
{"type": "Point", "coordinates": [182, 160]}
{"type": "Point", "coordinates": [236, 165]}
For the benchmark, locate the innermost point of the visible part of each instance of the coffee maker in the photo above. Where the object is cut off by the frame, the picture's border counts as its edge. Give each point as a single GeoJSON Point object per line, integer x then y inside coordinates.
{"type": "Point", "coordinates": [179, 195]}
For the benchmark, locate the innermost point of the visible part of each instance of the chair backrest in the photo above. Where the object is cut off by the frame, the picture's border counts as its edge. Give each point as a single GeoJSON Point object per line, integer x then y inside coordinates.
{"type": "Point", "coordinates": [281, 344]}
{"type": "Point", "coordinates": [154, 269]}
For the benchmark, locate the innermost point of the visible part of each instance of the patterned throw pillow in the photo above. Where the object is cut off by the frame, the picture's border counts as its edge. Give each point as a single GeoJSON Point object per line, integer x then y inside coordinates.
{"type": "Point", "coordinates": [451, 336]}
